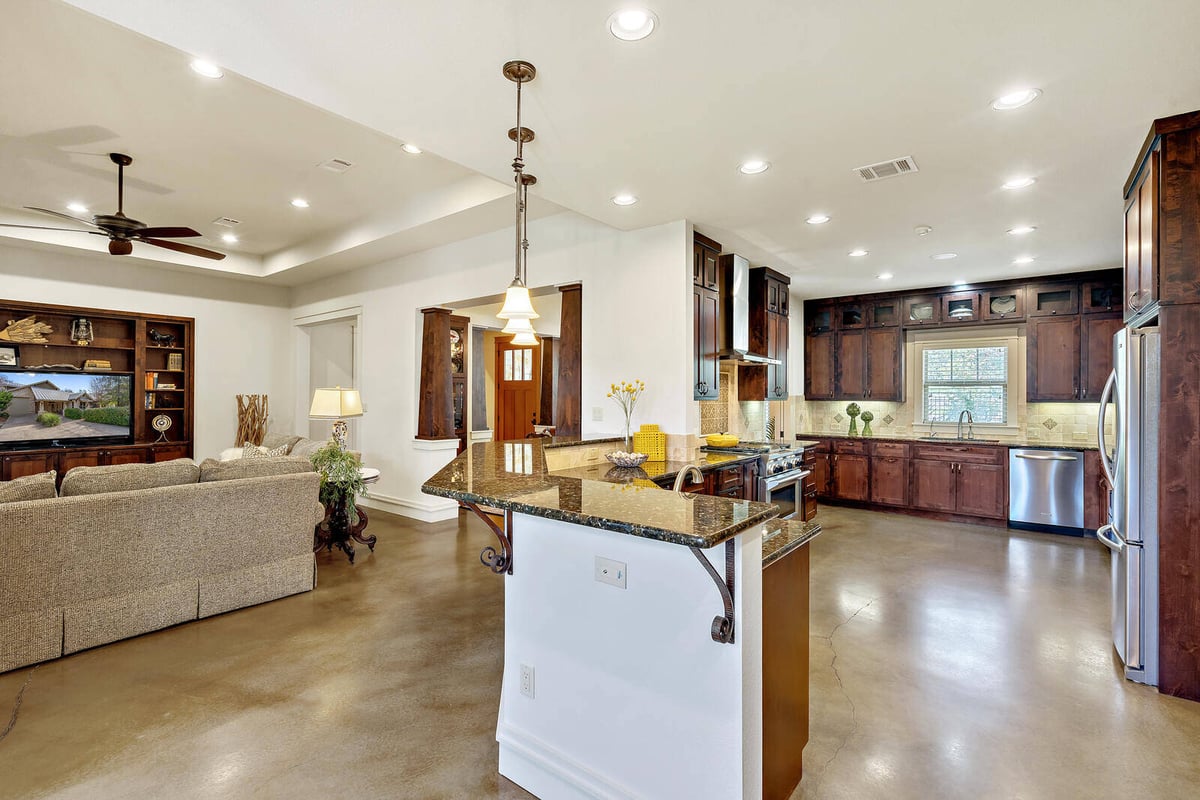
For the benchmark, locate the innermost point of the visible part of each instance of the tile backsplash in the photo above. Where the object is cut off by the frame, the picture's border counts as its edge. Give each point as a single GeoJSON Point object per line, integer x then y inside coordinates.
{"type": "Point", "coordinates": [747, 420]}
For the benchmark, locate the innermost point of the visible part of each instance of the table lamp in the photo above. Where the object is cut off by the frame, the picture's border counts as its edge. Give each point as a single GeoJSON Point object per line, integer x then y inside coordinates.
{"type": "Point", "coordinates": [336, 404]}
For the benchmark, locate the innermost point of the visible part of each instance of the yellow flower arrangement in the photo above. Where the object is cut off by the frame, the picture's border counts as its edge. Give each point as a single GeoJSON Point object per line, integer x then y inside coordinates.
{"type": "Point", "coordinates": [627, 393]}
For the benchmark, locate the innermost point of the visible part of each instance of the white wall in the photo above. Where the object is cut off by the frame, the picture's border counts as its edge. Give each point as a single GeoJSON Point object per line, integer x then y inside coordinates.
{"type": "Point", "coordinates": [636, 324]}
{"type": "Point", "coordinates": [242, 329]}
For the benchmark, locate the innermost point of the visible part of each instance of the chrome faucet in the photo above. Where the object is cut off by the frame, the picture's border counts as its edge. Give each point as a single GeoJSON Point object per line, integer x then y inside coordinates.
{"type": "Point", "coordinates": [690, 469]}
{"type": "Point", "coordinates": [966, 412]}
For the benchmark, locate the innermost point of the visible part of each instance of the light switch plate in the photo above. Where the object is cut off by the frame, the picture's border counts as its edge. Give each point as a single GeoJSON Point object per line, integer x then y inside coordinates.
{"type": "Point", "coordinates": [611, 572]}
{"type": "Point", "coordinates": [597, 414]}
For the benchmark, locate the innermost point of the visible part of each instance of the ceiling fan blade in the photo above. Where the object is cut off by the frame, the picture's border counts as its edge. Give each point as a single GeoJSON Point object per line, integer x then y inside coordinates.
{"type": "Point", "coordinates": [45, 228]}
{"type": "Point", "coordinates": [87, 222]}
{"type": "Point", "coordinates": [185, 248]}
{"type": "Point", "coordinates": [168, 233]}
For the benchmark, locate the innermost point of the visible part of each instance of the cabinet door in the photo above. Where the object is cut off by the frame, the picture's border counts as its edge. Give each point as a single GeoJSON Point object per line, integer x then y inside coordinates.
{"type": "Point", "coordinates": [777, 344]}
{"type": "Point", "coordinates": [851, 366]}
{"type": "Point", "coordinates": [750, 480]}
{"type": "Point", "coordinates": [960, 307]}
{"type": "Point", "coordinates": [852, 316]}
{"type": "Point", "coordinates": [819, 366]}
{"type": "Point", "coordinates": [885, 376]}
{"type": "Point", "coordinates": [1053, 299]}
{"type": "Point", "coordinates": [981, 490]}
{"type": "Point", "coordinates": [922, 311]}
{"type": "Point", "coordinates": [710, 268]}
{"type": "Point", "coordinates": [704, 310]}
{"type": "Point", "coordinates": [128, 455]}
{"type": "Point", "coordinates": [885, 313]}
{"type": "Point", "coordinates": [821, 474]}
{"type": "Point", "coordinates": [1097, 353]}
{"type": "Point", "coordinates": [170, 452]}
{"type": "Point", "coordinates": [784, 300]}
{"type": "Point", "coordinates": [25, 464]}
{"type": "Point", "coordinates": [1052, 359]}
{"type": "Point", "coordinates": [850, 477]}
{"type": "Point", "coordinates": [1003, 304]}
{"type": "Point", "coordinates": [818, 317]}
{"type": "Point", "coordinates": [889, 481]}
{"type": "Point", "coordinates": [697, 264]}
{"type": "Point", "coordinates": [1101, 297]}
{"type": "Point", "coordinates": [1148, 234]}
{"type": "Point", "coordinates": [1133, 252]}
{"type": "Point", "coordinates": [933, 485]}
{"type": "Point", "coordinates": [79, 458]}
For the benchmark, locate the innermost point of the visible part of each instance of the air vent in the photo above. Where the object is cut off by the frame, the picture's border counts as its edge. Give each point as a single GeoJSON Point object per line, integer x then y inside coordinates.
{"type": "Point", "coordinates": [228, 222]}
{"type": "Point", "coordinates": [887, 169]}
{"type": "Point", "coordinates": [338, 165]}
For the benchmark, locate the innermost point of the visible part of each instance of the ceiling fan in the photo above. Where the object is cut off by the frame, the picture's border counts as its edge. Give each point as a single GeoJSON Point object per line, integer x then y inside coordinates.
{"type": "Point", "coordinates": [123, 231]}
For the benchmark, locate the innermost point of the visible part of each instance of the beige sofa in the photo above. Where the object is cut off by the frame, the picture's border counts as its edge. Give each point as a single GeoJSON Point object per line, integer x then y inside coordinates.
{"type": "Point", "coordinates": [80, 571]}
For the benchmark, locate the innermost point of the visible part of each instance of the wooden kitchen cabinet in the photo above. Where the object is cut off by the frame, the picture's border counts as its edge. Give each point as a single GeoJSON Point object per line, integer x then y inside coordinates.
{"type": "Point", "coordinates": [820, 366]}
{"type": "Point", "coordinates": [851, 470]}
{"type": "Point", "coordinates": [885, 313]}
{"type": "Point", "coordinates": [960, 307]}
{"type": "Point", "coordinates": [850, 358]}
{"type": "Point", "coordinates": [1141, 236]}
{"type": "Point", "coordinates": [1097, 331]}
{"type": "Point", "coordinates": [750, 478]}
{"type": "Point", "coordinates": [819, 317]}
{"type": "Point", "coordinates": [705, 253]}
{"type": "Point", "coordinates": [1053, 299]}
{"type": "Point", "coordinates": [785, 672]}
{"type": "Point", "coordinates": [982, 490]}
{"type": "Point", "coordinates": [852, 316]}
{"type": "Point", "coordinates": [1095, 492]}
{"type": "Point", "coordinates": [21, 465]}
{"type": "Point", "coordinates": [1052, 359]}
{"type": "Point", "coordinates": [933, 485]}
{"type": "Point", "coordinates": [889, 480]}
{"type": "Point", "coordinates": [885, 364]}
{"type": "Point", "coordinates": [768, 335]}
{"type": "Point", "coordinates": [922, 310]}
{"type": "Point", "coordinates": [706, 305]}
{"type": "Point", "coordinates": [1000, 305]}
{"type": "Point", "coordinates": [1101, 297]}
{"type": "Point", "coordinates": [821, 467]}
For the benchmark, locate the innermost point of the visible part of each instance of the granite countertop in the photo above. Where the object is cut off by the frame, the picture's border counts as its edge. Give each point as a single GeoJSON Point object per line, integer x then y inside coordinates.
{"type": "Point", "coordinates": [1035, 444]}
{"type": "Point", "coordinates": [550, 442]}
{"type": "Point", "coordinates": [656, 471]}
{"type": "Point", "coordinates": [782, 536]}
{"type": "Point", "coordinates": [513, 476]}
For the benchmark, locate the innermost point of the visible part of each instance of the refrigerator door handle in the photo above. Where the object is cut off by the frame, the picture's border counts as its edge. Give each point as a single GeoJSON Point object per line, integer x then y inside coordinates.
{"type": "Point", "coordinates": [1105, 463]}
{"type": "Point", "coordinates": [1107, 537]}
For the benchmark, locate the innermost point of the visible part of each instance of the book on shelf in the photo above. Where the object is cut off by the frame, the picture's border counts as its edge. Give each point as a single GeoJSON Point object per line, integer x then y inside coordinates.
{"type": "Point", "coordinates": [151, 381]}
{"type": "Point", "coordinates": [149, 402]}
{"type": "Point", "coordinates": [175, 361]}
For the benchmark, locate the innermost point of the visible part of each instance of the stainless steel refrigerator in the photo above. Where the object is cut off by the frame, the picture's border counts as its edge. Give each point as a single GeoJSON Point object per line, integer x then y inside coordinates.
{"type": "Point", "coordinates": [1131, 401]}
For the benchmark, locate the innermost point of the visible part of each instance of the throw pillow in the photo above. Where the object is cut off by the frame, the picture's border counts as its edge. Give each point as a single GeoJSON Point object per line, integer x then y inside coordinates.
{"type": "Point", "coordinates": [255, 451]}
{"type": "Point", "coordinates": [213, 470]}
{"type": "Point", "coordinates": [31, 487]}
{"type": "Point", "coordinates": [306, 447]}
{"type": "Point", "coordinates": [274, 440]}
{"type": "Point", "coordinates": [129, 477]}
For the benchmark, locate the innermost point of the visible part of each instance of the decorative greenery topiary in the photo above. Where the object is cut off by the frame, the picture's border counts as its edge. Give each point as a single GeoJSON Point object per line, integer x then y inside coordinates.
{"type": "Point", "coordinates": [48, 420]}
{"type": "Point", "coordinates": [339, 475]}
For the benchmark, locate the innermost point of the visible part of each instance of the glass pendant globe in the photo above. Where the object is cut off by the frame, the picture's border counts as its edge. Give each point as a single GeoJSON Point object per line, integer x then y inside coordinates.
{"type": "Point", "coordinates": [517, 303]}
{"type": "Point", "coordinates": [518, 325]}
{"type": "Point", "coordinates": [525, 339]}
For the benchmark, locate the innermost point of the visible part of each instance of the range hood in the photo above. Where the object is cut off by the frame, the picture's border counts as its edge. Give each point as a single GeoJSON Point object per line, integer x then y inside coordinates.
{"type": "Point", "coordinates": [735, 301]}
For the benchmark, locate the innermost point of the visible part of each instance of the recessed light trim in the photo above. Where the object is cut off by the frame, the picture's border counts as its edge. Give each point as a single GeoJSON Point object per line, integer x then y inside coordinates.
{"type": "Point", "coordinates": [1016, 99]}
{"type": "Point", "coordinates": [818, 219]}
{"type": "Point", "coordinates": [624, 199]}
{"type": "Point", "coordinates": [1020, 182]}
{"type": "Point", "coordinates": [923, 230]}
{"type": "Point", "coordinates": [411, 149]}
{"type": "Point", "coordinates": [885, 276]}
{"type": "Point", "coordinates": [754, 166]}
{"type": "Point", "coordinates": [206, 68]}
{"type": "Point", "coordinates": [78, 208]}
{"type": "Point", "coordinates": [229, 237]}
{"type": "Point", "coordinates": [632, 24]}
{"type": "Point", "coordinates": [943, 256]}
{"type": "Point", "coordinates": [299, 202]}
{"type": "Point", "coordinates": [1021, 230]}
{"type": "Point", "coordinates": [1023, 260]}
{"type": "Point", "coordinates": [858, 253]}
{"type": "Point", "coordinates": [961, 282]}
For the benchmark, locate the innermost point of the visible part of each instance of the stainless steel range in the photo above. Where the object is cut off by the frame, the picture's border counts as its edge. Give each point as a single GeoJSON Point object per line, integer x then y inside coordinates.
{"type": "Point", "coordinates": [781, 470]}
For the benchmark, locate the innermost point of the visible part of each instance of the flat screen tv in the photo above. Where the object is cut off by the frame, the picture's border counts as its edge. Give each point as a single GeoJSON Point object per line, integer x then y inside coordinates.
{"type": "Point", "coordinates": [64, 409]}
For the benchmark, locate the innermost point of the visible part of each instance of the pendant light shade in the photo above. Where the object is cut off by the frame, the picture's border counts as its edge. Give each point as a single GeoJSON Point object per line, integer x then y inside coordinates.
{"type": "Point", "coordinates": [517, 326]}
{"type": "Point", "coordinates": [525, 339]}
{"type": "Point", "coordinates": [517, 303]}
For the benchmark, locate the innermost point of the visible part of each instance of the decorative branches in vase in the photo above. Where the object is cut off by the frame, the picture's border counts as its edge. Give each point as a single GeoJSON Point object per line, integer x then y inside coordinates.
{"type": "Point", "coordinates": [627, 394]}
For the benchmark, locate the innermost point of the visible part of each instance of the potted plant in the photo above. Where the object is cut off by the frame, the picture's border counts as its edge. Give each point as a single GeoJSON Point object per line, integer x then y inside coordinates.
{"type": "Point", "coordinates": [341, 484]}
{"type": "Point", "coordinates": [852, 411]}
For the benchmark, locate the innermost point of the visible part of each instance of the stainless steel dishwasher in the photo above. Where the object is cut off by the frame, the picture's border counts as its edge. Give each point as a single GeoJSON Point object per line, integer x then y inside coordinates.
{"type": "Point", "coordinates": [1045, 490]}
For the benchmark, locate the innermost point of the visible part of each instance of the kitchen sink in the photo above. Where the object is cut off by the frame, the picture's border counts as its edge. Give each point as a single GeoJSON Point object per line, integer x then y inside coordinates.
{"type": "Point", "coordinates": [956, 440]}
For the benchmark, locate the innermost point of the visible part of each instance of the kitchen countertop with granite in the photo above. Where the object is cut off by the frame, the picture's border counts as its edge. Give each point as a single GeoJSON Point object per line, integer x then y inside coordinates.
{"type": "Point", "coordinates": [1034, 444]}
{"type": "Point", "coordinates": [513, 476]}
{"type": "Point", "coordinates": [782, 536]}
{"type": "Point", "coordinates": [656, 471]}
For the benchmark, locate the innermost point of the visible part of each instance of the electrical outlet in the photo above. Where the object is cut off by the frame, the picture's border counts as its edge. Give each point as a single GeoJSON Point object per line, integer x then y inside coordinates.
{"type": "Point", "coordinates": [527, 681]}
{"type": "Point", "coordinates": [610, 572]}
{"type": "Point", "coordinates": [1081, 437]}
{"type": "Point", "coordinates": [597, 414]}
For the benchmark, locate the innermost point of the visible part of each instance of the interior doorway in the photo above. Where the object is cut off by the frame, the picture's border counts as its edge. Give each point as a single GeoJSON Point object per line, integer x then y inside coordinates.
{"type": "Point", "coordinates": [518, 389]}
{"type": "Point", "coordinates": [332, 362]}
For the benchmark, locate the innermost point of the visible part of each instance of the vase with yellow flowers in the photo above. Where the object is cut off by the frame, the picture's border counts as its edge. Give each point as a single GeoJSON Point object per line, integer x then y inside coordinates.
{"type": "Point", "coordinates": [627, 393]}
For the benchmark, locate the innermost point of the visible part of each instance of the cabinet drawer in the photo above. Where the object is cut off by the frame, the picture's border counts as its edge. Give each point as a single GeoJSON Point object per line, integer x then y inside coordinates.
{"type": "Point", "coordinates": [850, 447]}
{"type": "Point", "coordinates": [727, 478]}
{"type": "Point", "coordinates": [898, 449]}
{"type": "Point", "coordinates": [821, 446]}
{"type": "Point", "coordinates": [966, 454]}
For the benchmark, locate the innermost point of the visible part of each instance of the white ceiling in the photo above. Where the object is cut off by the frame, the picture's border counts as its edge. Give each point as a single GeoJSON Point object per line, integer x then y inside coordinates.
{"type": "Point", "coordinates": [816, 88]}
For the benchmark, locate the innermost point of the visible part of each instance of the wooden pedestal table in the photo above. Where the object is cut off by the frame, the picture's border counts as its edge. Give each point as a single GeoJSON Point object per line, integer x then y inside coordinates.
{"type": "Point", "coordinates": [336, 529]}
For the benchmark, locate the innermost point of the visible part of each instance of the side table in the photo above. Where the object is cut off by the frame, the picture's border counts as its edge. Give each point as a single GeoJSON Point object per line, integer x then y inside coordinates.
{"type": "Point", "coordinates": [336, 530]}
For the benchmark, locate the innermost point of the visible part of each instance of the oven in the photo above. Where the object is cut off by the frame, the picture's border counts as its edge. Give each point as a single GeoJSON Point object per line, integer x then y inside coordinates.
{"type": "Point", "coordinates": [784, 490]}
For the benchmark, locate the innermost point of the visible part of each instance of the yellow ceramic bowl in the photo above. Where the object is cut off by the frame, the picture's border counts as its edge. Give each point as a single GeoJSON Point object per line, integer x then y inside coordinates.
{"type": "Point", "coordinates": [721, 440]}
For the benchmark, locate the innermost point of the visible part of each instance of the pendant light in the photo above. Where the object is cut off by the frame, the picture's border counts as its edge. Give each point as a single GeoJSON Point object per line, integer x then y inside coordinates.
{"type": "Point", "coordinates": [518, 306]}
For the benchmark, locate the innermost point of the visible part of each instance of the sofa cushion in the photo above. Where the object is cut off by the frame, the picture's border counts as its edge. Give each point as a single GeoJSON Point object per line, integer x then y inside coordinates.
{"type": "Point", "coordinates": [274, 440]}
{"type": "Point", "coordinates": [213, 470]}
{"type": "Point", "coordinates": [306, 447]}
{"type": "Point", "coordinates": [129, 477]}
{"type": "Point", "coordinates": [32, 487]}
{"type": "Point", "coordinates": [255, 451]}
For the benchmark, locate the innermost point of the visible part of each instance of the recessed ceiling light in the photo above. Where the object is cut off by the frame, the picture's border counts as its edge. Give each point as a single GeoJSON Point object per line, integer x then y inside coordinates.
{"type": "Point", "coordinates": [411, 149]}
{"type": "Point", "coordinates": [754, 166]}
{"type": "Point", "coordinates": [818, 219]}
{"type": "Point", "coordinates": [961, 282]}
{"type": "Point", "coordinates": [1016, 99]}
{"type": "Point", "coordinates": [943, 256]}
{"type": "Point", "coordinates": [885, 276]}
{"type": "Point", "coordinates": [624, 199]}
{"type": "Point", "coordinates": [1020, 183]}
{"type": "Point", "coordinates": [1021, 230]}
{"type": "Point", "coordinates": [78, 208]}
{"type": "Point", "coordinates": [859, 253]}
{"type": "Point", "coordinates": [632, 24]}
{"type": "Point", "coordinates": [299, 202]}
{"type": "Point", "coordinates": [229, 237]}
{"type": "Point", "coordinates": [923, 230]}
{"type": "Point", "coordinates": [206, 68]}
{"type": "Point", "coordinates": [1023, 260]}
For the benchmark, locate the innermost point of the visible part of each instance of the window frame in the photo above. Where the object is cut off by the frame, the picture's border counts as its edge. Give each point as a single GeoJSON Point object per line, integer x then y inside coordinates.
{"type": "Point", "coordinates": [942, 340]}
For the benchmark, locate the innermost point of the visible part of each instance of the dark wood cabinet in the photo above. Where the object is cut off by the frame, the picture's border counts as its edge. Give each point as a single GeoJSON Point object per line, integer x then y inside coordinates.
{"type": "Point", "coordinates": [885, 313]}
{"type": "Point", "coordinates": [850, 470]}
{"type": "Point", "coordinates": [128, 455]}
{"type": "Point", "coordinates": [705, 253]}
{"type": "Point", "coordinates": [1052, 359]}
{"type": "Point", "coordinates": [1101, 297]}
{"type": "Point", "coordinates": [768, 335]}
{"type": "Point", "coordinates": [164, 452]}
{"type": "Point", "coordinates": [885, 364]}
{"type": "Point", "coordinates": [960, 307]}
{"type": "Point", "coordinates": [933, 485]}
{"type": "Point", "coordinates": [819, 317]}
{"type": "Point", "coordinates": [750, 478]}
{"type": "Point", "coordinates": [21, 465]}
{"type": "Point", "coordinates": [1141, 236]}
{"type": "Point", "coordinates": [1005, 304]}
{"type": "Point", "coordinates": [889, 480]}
{"type": "Point", "coordinates": [821, 472]}
{"type": "Point", "coordinates": [1096, 352]}
{"type": "Point", "coordinates": [982, 490]}
{"type": "Point", "coordinates": [820, 365]}
{"type": "Point", "coordinates": [705, 319]}
{"type": "Point", "coordinates": [922, 310]}
{"type": "Point", "coordinates": [80, 458]}
{"type": "Point", "coordinates": [1053, 299]}
{"type": "Point", "coordinates": [1095, 492]}
{"type": "Point", "coordinates": [852, 316]}
{"type": "Point", "coordinates": [851, 365]}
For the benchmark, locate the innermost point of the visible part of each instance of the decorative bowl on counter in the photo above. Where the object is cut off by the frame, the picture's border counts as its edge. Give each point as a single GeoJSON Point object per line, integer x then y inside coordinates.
{"type": "Point", "coordinates": [623, 459]}
{"type": "Point", "coordinates": [721, 440]}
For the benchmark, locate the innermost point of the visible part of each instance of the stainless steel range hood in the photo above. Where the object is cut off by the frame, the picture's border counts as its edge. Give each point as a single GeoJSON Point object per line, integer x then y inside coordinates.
{"type": "Point", "coordinates": [735, 297]}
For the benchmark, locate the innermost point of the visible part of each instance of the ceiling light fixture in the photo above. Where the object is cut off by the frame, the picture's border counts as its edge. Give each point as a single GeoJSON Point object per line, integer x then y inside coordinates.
{"type": "Point", "coordinates": [923, 230]}
{"type": "Point", "coordinates": [229, 237]}
{"type": "Point", "coordinates": [943, 256]}
{"type": "Point", "coordinates": [78, 208]}
{"type": "Point", "coordinates": [818, 219]}
{"type": "Point", "coordinates": [1020, 183]}
{"type": "Point", "coordinates": [518, 307]}
{"type": "Point", "coordinates": [754, 166]}
{"type": "Point", "coordinates": [206, 68]}
{"type": "Point", "coordinates": [1021, 97]}
{"type": "Point", "coordinates": [859, 253]}
{"type": "Point", "coordinates": [1021, 230]}
{"type": "Point", "coordinates": [632, 24]}
{"type": "Point", "coordinates": [961, 282]}
{"type": "Point", "coordinates": [885, 276]}
{"type": "Point", "coordinates": [410, 148]}
{"type": "Point", "coordinates": [1023, 260]}
{"type": "Point", "coordinates": [299, 202]}
{"type": "Point", "coordinates": [624, 199]}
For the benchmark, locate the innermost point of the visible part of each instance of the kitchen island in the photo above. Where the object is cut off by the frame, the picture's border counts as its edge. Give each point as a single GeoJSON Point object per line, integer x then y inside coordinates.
{"type": "Point", "coordinates": [634, 630]}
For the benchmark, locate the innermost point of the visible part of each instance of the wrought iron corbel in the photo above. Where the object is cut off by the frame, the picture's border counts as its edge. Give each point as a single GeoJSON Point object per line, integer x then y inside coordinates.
{"type": "Point", "coordinates": [497, 561]}
{"type": "Point", "coordinates": [722, 626]}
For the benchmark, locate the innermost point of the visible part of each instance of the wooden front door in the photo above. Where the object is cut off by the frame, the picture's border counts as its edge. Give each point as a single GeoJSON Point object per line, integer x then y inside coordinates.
{"type": "Point", "coordinates": [518, 382]}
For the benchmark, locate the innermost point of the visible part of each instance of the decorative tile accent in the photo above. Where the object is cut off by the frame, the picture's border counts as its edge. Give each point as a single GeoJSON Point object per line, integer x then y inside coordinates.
{"type": "Point", "coordinates": [838, 418]}
{"type": "Point", "coordinates": [889, 419]}
{"type": "Point", "coordinates": [1050, 424]}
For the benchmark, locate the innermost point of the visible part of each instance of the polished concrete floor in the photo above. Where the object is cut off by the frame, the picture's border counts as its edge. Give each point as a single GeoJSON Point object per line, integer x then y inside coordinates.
{"type": "Point", "coordinates": [948, 661]}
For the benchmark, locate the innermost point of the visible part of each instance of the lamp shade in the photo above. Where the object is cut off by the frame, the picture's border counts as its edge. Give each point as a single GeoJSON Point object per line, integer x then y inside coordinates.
{"type": "Point", "coordinates": [525, 339]}
{"type": "Point", "coordinates": [517, 304]}
{"type": "Point", "coordinates": [518, 326]}
{"type": "Point", "coordinates": [335, 403]}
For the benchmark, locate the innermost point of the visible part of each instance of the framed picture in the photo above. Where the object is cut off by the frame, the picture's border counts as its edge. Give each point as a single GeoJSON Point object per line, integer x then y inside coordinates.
{"type": "Point", "coordinates": [8, 357]}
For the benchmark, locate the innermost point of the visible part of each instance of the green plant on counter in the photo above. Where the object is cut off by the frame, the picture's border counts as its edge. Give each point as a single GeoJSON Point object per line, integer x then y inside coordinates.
{"type": "Point", "coordinates": [867, 416]}
{"type": "Point", "coordinates": [48, 420]}
{"type": "Point", "coordinates": [852, 411]}
{"type": "Point", "coordinates": [339, 473]}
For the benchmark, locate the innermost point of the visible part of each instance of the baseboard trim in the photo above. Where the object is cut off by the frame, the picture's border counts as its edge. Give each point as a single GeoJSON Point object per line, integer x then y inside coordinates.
{"type": "Point", "coordinates": [547, 772]}
{"type": "Point", "coordinates": [432, 510]}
